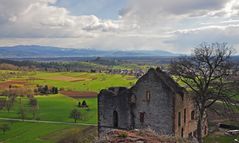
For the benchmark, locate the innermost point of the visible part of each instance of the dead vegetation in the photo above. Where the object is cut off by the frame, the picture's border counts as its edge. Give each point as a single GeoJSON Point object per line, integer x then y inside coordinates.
{"type": "Point", "coordinates": [138, 136]}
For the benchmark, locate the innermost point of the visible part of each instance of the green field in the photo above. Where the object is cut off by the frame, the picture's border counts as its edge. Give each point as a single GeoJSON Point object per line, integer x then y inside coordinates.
{"type": "Point", "coordinates": [220, 139]}
{"type": "Point", "coordinates": [80, 81]}
{"type": "Point", "coordinates": [56, 107]}
{"type": "Point", "coordinates": [23, 132]}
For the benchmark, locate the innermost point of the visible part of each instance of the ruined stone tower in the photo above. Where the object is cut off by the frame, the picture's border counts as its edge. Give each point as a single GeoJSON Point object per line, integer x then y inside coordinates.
{"type": "Point", "coordinates": [156, 101]}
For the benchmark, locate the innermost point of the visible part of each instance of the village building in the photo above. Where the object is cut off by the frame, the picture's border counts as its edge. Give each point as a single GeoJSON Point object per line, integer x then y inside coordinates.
{"type": "Point", "coordinates": [156, 101]}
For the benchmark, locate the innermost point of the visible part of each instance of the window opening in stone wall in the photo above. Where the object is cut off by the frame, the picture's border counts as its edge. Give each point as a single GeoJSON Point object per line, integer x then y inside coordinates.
{"type": "Point", "coordinates": [193, 115]}
{"type": "Point", "coordinates": [182, 132]}
{"type": "Point", "coordinates": [185, 115]}
{"type": "Point", "coordinates": [179, 119]}
{"type": "Point", "coordinates": [115, 119]}
{"type": "Point", "coordinates": [147, 96]}
{"type": "Point", "coordinates": [141, 117]}
{"type": "Point", "coordinates": [182, 97]}
{"type": "Point", "coordinates": [190, 135]}
{"type": "Point", "coordinates": [195, 133]}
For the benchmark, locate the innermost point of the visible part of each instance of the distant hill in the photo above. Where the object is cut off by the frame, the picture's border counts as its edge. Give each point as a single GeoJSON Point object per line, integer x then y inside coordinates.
{"type": "Point", "coordinates": [35, 51]}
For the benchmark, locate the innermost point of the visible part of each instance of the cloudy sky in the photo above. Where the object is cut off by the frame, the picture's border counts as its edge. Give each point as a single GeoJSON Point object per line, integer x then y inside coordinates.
{"type": "Point", "coordinates": [169, 25]}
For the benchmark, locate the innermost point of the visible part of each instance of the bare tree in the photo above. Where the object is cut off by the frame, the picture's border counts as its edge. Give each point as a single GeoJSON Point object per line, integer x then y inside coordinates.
{"type": "Point", "coordinates": [75, 114]}
{"type": "Point", "coordinates": [8, 105]}
{"type": "Point", "coordinates": [22, 113]}
{"type": "Point", "coordinates": [34, 106]}
{"type": "Point", "coordinates": [210, 74]}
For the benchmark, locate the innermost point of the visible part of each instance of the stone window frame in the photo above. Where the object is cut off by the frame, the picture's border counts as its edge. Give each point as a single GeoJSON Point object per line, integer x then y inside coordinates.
{"type": "Point", "coordinates": [195, 133]}
{"type": "Point", "coordinates": [133, 98]}
{"type": "Point", "coordinates": [185, 115]}
{"type": "Point", "coordinates": [193, 115]}
{"type": "Point", "coordinates": [182, 96]}
{"type": "Point", "coordinates": [182, 132]}
{"type": "Point", "coordinates": [141, 117]}
{"type": "Point", "coordinates": [148, 96]}
{"type": "Point", "coordinates": [179, 119]}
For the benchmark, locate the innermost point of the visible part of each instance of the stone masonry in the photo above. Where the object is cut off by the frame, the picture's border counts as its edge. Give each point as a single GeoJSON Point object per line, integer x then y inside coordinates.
{"type": "Point", "coordinates": [156, 101]}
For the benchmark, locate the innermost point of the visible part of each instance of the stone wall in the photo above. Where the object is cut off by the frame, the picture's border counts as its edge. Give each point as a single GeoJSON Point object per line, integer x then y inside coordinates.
{"type": "Point", "coordinates": [189, 125]}
{"type": "Point", "coordinates": [110, 101]}
{"type": "Point", "coordinates": [155, 102]}
{"type": "Point", "coordinates": [158, 110]}
{"type": "Point", "coordinates": [184, 104]}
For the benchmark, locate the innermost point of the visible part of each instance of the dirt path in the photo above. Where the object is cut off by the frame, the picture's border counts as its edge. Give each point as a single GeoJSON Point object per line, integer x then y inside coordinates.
{"type": "Point", "coordinates": [48, 122]}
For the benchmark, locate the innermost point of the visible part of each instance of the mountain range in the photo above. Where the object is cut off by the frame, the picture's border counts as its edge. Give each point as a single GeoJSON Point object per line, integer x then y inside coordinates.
{"type": "Point", "coordinates": [36, 51]}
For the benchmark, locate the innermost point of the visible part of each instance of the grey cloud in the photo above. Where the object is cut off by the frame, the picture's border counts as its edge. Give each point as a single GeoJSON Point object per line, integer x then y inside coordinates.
{"type": "Point", "coordinates": [143, 24]}
{"type": "Point", "coordinates": [189, 38]}
{"type": "Point", "coordinates": [28, 18]}
{"type": "Point", "coordinates": [172, 7]}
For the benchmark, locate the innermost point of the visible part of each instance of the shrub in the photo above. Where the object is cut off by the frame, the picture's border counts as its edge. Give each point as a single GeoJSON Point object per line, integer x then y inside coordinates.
{"type": "Point", "coordinates": [123, 135]}
{"type": "Point", "coordinates": [4, 128]}
{"type": "Point", "coordinates": [84, 104]}
{"type": "Point", "coordinates": [79, 104]}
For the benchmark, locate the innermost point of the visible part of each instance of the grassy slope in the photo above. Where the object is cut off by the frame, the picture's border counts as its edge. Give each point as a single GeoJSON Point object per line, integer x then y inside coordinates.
{"type": "Point", "coordinates": [219, 139]}
{"type": "Point", "coordinates": [88, 81]}
{"type": "Point", "coordinates": [58, 107]}
{"type": "Point", "coordinates": [91, 81]}
{"type": "Point", "coordinates": [55, 108]}
{"type": "Point", "coordinates": [22, 132]}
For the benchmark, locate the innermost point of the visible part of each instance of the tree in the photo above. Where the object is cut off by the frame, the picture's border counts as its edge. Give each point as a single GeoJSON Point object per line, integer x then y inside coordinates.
{"type": "Point", "coordinates": [54, 90]}
{"type": "Point", "coordinates": [22, 113]}
{"type": "Point", "coordinates": [34, 106]}
{"type": "Point", "coordinates": [4, 128]}
{"type": "Point", "coordinates": [75, 114]}
{"type": "Point", "coordinates": [2, 103]}
{"type": "Point", "coordinates": [8, 105]}
{"type": "Point", "coordinates": [84, 104]}
{"type": "Point", "coordinates": [33, 102]}
{"type": "Point", "coordinates": [210, 74]}
{"type": "Point", "coordinates": [10, 101]}
{"type": "Point", "coordinates": [46, 89]}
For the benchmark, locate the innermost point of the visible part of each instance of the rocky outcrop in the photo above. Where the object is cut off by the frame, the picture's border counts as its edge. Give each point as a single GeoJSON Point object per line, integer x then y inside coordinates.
{"type": "Point", "coordinates": [138, 136]}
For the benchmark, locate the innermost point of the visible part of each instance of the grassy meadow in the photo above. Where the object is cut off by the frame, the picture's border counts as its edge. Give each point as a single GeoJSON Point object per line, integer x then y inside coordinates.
{"type": "Point", "coordinates": [79, 81]}
{"type": "Point", "coordinates": [25, 132]}
{"type": "Point", "coordinates": [219, 139]}
{"type": "Point", "coordinates": [58, 107]}
{"type": "Point", "coordinates": [54, 107]}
